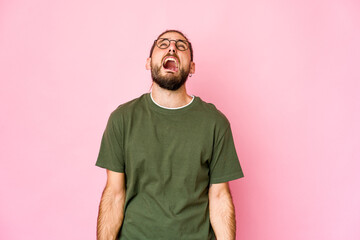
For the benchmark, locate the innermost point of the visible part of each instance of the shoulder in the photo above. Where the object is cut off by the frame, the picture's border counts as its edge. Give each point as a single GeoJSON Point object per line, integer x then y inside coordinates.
{"type": "Point", "coordinates": [127, 108]}
{"type": "Point", "coordinates": [213, 114]}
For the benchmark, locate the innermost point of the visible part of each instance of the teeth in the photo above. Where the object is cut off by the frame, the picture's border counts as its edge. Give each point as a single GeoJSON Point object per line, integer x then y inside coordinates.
{"type": "Point", "coordinates": [171, 59]}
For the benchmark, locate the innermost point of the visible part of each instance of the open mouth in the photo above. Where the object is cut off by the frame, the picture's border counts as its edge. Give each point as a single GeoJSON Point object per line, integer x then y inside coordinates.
{"type": "Point", "coordinates": [171, 63]}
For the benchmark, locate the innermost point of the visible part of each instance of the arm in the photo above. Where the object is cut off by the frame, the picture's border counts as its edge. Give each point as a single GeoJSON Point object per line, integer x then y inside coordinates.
{"type": "Point", "coordinates": [111, 209]}
{"type": "Point", "coordinates": [222, 213]}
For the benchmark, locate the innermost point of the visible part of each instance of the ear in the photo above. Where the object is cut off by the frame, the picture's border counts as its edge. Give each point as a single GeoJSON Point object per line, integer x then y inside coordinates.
{"type": "Point", "coordinates": [192, 67]}
{"type": "Point", "coordinates": [148, 64]}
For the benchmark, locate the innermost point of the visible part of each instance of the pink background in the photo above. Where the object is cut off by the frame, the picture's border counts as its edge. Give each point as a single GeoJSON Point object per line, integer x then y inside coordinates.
{"type": "Point", "coordinates": [286, 74]}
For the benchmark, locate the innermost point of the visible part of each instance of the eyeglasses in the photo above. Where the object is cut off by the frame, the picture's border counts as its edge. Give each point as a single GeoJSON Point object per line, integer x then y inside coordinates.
{"type": "Point", "coordinates": [181, 45]}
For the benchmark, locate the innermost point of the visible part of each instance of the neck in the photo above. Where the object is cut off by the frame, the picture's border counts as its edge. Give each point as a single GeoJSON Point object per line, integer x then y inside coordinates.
{"type": "Point", "coordinates": [168, 98]}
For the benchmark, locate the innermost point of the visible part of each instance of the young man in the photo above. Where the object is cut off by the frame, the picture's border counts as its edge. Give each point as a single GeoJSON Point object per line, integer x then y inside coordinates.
{"type": "Point", "coordinates": [168, 157]}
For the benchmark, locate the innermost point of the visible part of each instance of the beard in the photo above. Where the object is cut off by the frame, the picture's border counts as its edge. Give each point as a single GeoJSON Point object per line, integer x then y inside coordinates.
{"type": "Point", "coordinates": [169, 82]}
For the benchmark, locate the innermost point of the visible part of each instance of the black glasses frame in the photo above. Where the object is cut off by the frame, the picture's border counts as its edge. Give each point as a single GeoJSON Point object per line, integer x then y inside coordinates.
{"type": "Point", "coordinates": [187, 44]}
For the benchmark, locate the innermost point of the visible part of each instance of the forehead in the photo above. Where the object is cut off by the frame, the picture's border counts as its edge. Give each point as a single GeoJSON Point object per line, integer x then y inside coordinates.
{"type": "Point", "coordinates": [173, 36]}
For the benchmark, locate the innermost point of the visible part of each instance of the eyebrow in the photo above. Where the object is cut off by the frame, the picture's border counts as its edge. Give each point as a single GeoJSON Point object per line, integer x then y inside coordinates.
{"type": "Point", "coordinates": [174, 39]}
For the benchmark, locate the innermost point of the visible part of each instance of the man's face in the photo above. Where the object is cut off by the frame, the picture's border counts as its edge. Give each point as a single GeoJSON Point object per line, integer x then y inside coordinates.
{"type": "Point", "coordinates": [170, 67]}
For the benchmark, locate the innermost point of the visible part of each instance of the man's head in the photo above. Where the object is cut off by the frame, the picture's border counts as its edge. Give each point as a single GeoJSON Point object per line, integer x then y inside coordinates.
{"type": "Point", "coordinates": [175, 31]}
{"type": "Point", "coordinates": [171, 60]}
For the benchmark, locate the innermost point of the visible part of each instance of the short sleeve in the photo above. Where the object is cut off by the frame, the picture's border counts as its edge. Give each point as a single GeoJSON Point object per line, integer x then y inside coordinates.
{"type": "Point", "coordinates": [111, 155]}
{"type": "Point", "coordinates": [225, 165]}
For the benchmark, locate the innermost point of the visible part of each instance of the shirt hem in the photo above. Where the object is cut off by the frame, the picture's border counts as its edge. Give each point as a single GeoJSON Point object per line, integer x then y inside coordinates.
{"type": "Point", "coordinates": [228, 178]}
{"type": "Point", "coordinates": [110, 168]}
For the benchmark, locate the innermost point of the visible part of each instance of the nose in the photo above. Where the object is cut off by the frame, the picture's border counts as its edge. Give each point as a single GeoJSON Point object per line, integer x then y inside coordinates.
{"type": "Point", "coordinates": [172, 47]}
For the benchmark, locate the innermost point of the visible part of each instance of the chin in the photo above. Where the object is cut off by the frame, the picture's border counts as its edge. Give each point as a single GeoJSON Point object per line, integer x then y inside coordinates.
{"type": "Point", "coordinates": [169, 80]}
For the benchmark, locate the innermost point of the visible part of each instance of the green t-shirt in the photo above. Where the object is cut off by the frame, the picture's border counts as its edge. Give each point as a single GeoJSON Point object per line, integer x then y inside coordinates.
{"type": "Point", "coordinates": [169, 157]}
